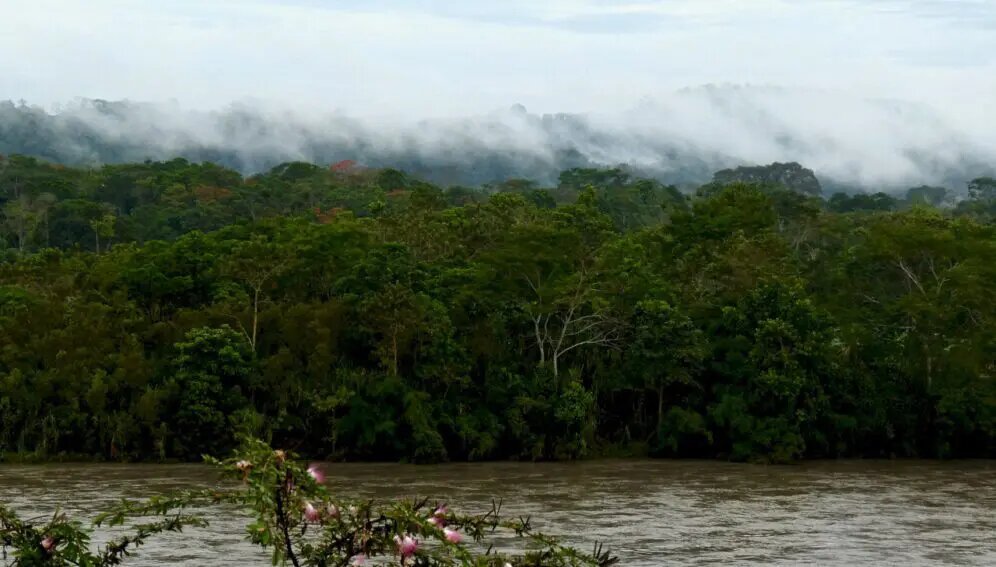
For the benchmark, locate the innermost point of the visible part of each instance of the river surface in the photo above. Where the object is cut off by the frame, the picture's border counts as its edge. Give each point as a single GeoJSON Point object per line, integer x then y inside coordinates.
{"type": "Point", "coordinates": [849, 513]}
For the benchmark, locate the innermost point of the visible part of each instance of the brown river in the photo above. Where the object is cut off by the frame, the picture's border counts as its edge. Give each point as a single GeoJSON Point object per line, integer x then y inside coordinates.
{"type": "Point", "coordinates": [648, 512]}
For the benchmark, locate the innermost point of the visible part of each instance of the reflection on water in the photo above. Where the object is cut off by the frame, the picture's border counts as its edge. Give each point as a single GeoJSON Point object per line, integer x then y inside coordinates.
{"type": "Point", "coordinates": [648, 512]}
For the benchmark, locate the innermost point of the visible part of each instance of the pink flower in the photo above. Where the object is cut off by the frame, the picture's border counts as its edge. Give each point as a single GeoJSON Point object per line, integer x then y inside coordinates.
{"type": "Point", "coordinates": [310, 513]}
{"type": "Point", "coordinates": [452, 536]}
{"type": "Point", "coordinates": [407, 545]}
{"type": "Point", "coordinates": [48, 544]}
{"type": "Point", "coordinates": [358, 559]}
{"type": "Point", "coordinates": [438, 517]}
{"type": "Point", "coordinates": [332, 511]}
{"type": "Point", "coordinates": [245, 467]}
{"type": "Point", "coordinates": [316, 473]}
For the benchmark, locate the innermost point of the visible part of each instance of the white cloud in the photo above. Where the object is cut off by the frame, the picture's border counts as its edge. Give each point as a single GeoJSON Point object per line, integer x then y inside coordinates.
{"type": "Point", "coordinates": [448, 58]}
{"type": "Point", "coordinates": [439, 57]}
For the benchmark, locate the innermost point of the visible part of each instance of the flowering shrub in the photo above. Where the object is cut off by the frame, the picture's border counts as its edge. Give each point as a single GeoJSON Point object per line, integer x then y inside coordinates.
{"type": "Point", "coordinates": [60, 540]}
{"type": "Point", "coordinates": [298, 520]}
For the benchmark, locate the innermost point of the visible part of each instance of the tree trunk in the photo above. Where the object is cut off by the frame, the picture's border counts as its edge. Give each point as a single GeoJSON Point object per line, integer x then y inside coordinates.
{"type": "Point", "coordinates": [660, 407]}
{"type": "Point", "coordinates": [255, 319]}
{"type": "Point", "coordinates": [539, 341]}
{"type": "Point", "coordinates": [394, 353]}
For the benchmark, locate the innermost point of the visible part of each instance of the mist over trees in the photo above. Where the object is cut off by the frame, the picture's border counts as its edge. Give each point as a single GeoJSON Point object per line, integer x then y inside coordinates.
{"type": "Point", "coordinates": [852, 145]}
{"type": "Point", "coordinates": [154, 310]}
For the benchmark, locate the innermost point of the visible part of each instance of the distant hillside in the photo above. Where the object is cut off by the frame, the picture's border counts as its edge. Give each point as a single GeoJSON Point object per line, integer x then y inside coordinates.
{"type": "Point", "coordinates": [681, 139]}
{"type": "Point", "coordinates": [790, 175]}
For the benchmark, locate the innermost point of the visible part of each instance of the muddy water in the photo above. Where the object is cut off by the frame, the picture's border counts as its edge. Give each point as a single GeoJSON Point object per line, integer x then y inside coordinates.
{"type": "Point", "coordinates": [648, 512]}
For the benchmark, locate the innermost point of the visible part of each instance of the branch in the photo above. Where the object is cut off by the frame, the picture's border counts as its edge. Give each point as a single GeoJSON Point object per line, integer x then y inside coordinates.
{"type": "Point", "coordinates": [115, 550]}
{"type": "Point", "coordinates": [939, 280]}
{"type": "Point", "coordinates": [534, 287]}
{"type": "Point", "coordinates": [604, 340]}
{"type": "Point", "coordinates": [282, 520]}
{"type": "Point", "coordinates": [902, 265]}
{"type": "Point", "coordinates": [601, 321]}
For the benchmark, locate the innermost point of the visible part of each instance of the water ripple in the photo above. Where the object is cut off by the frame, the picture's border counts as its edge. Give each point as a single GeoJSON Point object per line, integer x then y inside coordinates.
{"type": "Point", "coordinates": [649, 512]}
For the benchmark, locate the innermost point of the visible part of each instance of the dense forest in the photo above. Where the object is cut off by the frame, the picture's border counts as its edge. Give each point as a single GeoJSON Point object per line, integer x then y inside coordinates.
{"type": "Point", "coordinates": [155, 310]}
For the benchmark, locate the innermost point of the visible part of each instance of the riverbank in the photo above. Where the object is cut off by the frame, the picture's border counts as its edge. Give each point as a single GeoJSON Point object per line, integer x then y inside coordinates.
{"type": "Point", "coordinates": [603, 452]}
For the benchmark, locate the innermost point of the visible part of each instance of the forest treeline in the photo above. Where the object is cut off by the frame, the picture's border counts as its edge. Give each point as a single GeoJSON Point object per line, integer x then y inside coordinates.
{"type": "Point", "coordinates": [156, 310]}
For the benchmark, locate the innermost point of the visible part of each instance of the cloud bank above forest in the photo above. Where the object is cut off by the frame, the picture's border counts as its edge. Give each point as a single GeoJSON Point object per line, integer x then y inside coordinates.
{"type": "Point", "coordinates": [681, 138]}
{"type": "Point", "coordinates": [413, 84]}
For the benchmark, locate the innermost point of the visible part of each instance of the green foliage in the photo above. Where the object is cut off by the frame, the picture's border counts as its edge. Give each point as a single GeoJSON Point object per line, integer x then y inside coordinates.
{"type": "Point", "coordinates": [208, 389]}
{"type": "Point", "coordinates": [927, 195]}
{"type": "Point", "coordinates": [61, 541]}
{"type": "Point", "coordinates": [844, 203]}
{"type": "Point", "coordinates": [153, 311]}
{"type": "Point", "coordinates": [774, 361]}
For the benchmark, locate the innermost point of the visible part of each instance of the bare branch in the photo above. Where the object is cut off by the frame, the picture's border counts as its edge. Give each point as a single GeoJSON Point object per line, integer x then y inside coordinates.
{"type": "Point", "coordinates": [909, 273]}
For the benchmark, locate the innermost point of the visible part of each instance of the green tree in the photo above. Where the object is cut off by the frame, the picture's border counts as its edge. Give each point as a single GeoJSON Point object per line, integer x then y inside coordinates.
{"type": "Point", "coordinates": [103, 227]}
{"type": "Point", "coordinates": [254, 265]}
{"type": "Point", "coordinates": [210, 382]}
{"type": "Point", "coordinates": [665, 353]}
{"type": "Point", "coordinates": [772, 363]}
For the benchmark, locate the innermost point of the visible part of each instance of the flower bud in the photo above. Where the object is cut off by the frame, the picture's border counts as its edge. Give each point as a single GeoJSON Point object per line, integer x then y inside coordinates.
{"type": "Point", "coordinates": [316, 473]}
{"type": "Point", "coordinates": [48, 544]}
{"type": "Point", "coordinates": [407, 545]}
{"type": "Point", "coordinates": [452, 536]}
{"type": "Point", "coordinates": [311, 513]}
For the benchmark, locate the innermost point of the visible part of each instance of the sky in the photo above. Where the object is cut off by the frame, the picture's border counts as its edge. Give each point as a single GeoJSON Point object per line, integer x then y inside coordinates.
{"type": "Point", "coordinates": [446, 57]}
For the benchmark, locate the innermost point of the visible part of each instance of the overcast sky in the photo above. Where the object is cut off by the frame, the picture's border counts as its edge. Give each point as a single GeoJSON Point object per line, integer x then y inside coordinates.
{"type": "Point", "coordinates": [439, 57]}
